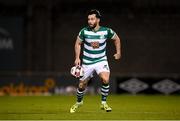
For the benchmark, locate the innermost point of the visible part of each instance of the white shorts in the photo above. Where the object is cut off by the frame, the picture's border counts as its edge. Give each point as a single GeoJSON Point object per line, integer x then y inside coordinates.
{"type": "Point", "coordinates": [97, 67]}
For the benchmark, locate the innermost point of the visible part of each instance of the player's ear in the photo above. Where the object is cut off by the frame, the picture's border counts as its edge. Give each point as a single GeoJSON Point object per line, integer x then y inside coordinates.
{"type": "Point", "coordinates": [98, 19]}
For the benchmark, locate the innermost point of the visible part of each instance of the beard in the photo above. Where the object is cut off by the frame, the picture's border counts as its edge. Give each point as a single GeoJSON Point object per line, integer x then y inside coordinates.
{"type": "Point", "coordinates": [92, 26]}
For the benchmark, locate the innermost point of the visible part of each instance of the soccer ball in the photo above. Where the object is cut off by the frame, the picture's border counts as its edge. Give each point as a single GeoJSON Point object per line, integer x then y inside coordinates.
{"type": "Point", "coordinates": [77, 71]}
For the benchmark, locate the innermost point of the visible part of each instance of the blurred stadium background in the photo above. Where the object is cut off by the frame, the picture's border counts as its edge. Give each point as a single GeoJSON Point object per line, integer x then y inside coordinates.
{"type": "Point", "coordinates": [37, 45]}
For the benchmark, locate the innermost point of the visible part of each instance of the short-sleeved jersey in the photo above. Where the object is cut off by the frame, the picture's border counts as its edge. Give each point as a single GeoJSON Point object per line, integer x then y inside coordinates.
{"type": "Point", "coordinates": [95, 44]}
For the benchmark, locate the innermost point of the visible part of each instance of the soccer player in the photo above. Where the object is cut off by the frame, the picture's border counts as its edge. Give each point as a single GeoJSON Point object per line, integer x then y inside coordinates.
{"type": "Point", "coordinates": [94, 58]}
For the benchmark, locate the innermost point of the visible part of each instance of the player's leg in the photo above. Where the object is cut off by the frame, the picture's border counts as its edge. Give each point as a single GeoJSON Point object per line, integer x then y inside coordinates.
{"type": "Point", "coordinates": [88, 71]}
{"type": "Point", "coordinates": [105, 90]}
{"type": "Point", "coordinates": [81, 90]}
{"type": "Point", "coordinates": [105, 86]}
{"type": "Point", "coordinates": [104, 73]}
{"type": "Point", "coordinates": [80, 93]}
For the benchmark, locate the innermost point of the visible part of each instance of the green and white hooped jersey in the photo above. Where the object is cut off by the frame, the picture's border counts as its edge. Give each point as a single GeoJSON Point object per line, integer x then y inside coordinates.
{"type": "Point", "coordinates": [95, 44]}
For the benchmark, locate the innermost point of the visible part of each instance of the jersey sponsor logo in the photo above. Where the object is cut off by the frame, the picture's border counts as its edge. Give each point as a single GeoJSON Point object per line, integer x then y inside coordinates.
{"type": "Point", "coordinates": [95, 45]}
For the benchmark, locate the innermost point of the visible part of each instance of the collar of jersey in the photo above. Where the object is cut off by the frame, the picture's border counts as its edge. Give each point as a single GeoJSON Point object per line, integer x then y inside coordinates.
{"type": "Point", "coordinates": [93, 29]}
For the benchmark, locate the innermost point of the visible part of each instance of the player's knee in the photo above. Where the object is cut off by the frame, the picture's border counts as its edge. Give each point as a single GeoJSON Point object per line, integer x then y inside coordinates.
{"type": "Point", "coordinates": [105, 80]}
{"type": "Point", "coordinates": [82, 86]}
{"type": "Point", "coordinates": [104, 77]}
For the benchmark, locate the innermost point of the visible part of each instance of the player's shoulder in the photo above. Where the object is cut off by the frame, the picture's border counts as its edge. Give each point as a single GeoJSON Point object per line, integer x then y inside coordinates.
{"type": "Point", "coordinates": [108, 30]}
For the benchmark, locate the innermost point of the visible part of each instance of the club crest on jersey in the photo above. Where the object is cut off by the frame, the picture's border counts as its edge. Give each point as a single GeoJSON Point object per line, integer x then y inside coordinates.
{"type": "Point", "coordinates": [95, 45]}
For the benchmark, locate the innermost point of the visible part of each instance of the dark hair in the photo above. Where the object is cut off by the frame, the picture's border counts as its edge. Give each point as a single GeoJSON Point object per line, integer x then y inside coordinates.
{"type": "Point", "coordinates": [96, 12]}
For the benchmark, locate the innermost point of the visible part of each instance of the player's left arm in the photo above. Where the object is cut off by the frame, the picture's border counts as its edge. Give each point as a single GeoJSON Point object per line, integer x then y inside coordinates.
{"type": "Point", "coordinates": [117, 43]}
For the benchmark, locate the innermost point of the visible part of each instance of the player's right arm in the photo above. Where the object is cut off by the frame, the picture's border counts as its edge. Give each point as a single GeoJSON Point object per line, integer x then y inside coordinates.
{"type": "Point", "coordinates": [77, 49]}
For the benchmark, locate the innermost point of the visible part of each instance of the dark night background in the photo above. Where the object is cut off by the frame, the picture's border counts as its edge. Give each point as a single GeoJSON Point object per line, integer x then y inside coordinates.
{"type": "Point", "coordinates": [43, 33]}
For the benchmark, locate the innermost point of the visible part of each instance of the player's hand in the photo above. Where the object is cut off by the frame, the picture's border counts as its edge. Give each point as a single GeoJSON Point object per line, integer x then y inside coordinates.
{"type": "Point", "coordinates": [77, 62]}
{"type": "Point", "coordinates": [117, 56]}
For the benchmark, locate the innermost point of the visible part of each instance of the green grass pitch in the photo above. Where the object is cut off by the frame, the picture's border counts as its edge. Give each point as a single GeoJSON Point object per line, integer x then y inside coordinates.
{"type": "Point", "coordinates": [124, 107]}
